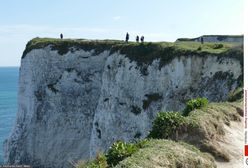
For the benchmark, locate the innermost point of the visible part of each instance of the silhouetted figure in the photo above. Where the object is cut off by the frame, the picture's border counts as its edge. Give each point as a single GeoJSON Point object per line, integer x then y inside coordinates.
{"type": "Point", "coordinates": [127, 37]}
{"type": "Point", "coordinates": [201, 40]}
{"type": "Point", "coordinates": [61, 36]}
{"type": "Point", "coordinates": [142, 38]}
{"type": "Point", "coordinates": [137, 39]}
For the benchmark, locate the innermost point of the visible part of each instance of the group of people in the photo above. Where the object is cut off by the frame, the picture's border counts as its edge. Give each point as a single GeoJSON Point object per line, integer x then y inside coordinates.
{"type": "Point", "coordinates": [142, 38]}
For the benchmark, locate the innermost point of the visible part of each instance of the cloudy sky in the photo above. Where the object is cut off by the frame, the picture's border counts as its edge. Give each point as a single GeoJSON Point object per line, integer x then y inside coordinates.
{"type": "Point", "coordinates": [157, 20]}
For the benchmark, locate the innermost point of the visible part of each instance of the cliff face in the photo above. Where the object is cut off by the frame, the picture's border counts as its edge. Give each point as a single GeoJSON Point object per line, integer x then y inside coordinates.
{"type": "Point", "coordinates": [76, 103]}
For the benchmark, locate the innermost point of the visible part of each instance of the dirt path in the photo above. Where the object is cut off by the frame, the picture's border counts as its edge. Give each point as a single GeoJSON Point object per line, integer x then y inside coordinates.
{"type": "Point", "coordinates": [233, 143]}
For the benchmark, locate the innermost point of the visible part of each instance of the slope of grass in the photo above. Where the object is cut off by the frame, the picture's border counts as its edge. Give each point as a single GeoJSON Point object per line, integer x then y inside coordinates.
{"type": "Point", "coordinates": [205, 126]}
{"type": "Point", "coordinates": [202, 128]}
{"type": "Point", "coordinates": [166, 153]}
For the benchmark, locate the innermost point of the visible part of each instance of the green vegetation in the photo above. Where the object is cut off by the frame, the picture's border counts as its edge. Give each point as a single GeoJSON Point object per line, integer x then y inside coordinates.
{"type": "Point", "coordinates": [195, 104]}
{"type": "Point", "coordinates": [118, 151]}
{"type": "Point", "coordinates": [202, 127]}
{"type": "Point", "coordinates": [166, 124]}
{"type": "Point", "coordinates": [99, 162]}
{"type": "Point", "coordinates": [148, 153]}
{"type": "Point", "coordinates": [167, 153]}
{"type": "Point", "coordinates": [217, 46]}
{"type": "Point", "coordinates": [66, 45]}
{"type": "Point", "coordinates": [142, 53]}
{"type": "Point", "coordinates": [151, 98]}
{"type": "Point", "coordinates": [236, 94]}
{"type": "Point", "coordinates": [223, 37]}
{"type": "Point", "coordinates": [219, 37]}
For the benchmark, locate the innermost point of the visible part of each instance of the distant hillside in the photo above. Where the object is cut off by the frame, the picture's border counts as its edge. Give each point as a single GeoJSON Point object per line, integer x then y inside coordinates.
{"type": "Point", "coordinates": [216, 38]}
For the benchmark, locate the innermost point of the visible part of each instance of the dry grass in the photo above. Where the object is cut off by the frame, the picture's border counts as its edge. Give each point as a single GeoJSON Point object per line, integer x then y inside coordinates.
{"type": "Point", "coordinates": [169, 154]}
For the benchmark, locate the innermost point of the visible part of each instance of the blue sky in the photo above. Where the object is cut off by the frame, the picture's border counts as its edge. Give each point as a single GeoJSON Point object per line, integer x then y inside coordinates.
{"type": "Point", "coordinates": [157, 20]}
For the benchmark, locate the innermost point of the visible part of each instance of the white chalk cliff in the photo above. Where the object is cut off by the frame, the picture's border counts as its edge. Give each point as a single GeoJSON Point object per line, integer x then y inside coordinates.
{"type": "Point", "coordinates": [75, 104]}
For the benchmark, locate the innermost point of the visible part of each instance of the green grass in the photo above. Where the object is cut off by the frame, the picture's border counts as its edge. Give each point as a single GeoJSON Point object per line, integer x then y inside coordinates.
{"type": "Point", "coordinates": [99, 162]}
{"type": "Point", "coordinates": [206, 125]}
{"type": "Point", "coordinates": [116, 153]}
{"type": "Point", "coordinates": [119, 151]}
{"type": "Point", "coordinates": [141, 53]}
{"type": "Point", "coordinates": [166, 124]}
{"type": "Point", "coordinates": [66, 45]}
{"type": "Point", "coordinates": [202, 127]}
{"type": "Point", "coordinates": [235, 94]}
{"type": "Point", "coordinates": [195, 104]}
{"type": "Point", "coordinates": [150, 153]}
{"type": "Point", "coordinates": [166, 153]}
{"type": "Point", "coordinates": [206, 47]}
{"type": "Point", "coordinates": [219, 37]}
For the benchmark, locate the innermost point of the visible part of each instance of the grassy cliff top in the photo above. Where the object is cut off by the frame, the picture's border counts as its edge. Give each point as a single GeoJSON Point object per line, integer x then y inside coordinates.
{"type": "Point", "coordinates": [140, 52]}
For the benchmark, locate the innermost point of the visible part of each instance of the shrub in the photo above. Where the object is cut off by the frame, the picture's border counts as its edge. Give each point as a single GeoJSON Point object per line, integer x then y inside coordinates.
{"type": "Point", "coordinates": [116, 153]}
{"type": "Point", "coordinates": [194, 104]}
{"type": "Point", "coordinates": [119, 151]}
{"type": "Point", "coordinates": [235, 94]}
{"type": "Point", "coordinates": [165, 124]}
{"type": "Point", "coordinates": [141, 143]}
{"type": "Point", "coordinates": [99, 162]}
{"type": "Point", "coordinates": [217, 46]}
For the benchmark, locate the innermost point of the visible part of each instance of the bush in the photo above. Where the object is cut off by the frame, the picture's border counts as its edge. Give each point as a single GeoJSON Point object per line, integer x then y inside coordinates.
{"type": "Point", "coordinates": [165, 124]}
{"type": "Point", "coordinates": [99, 162]}
{"type": "Point", "coordinates": [119, 151]}
{"type": "Point", "coordinates": [141, 143]}
{"type": "Point", "coordinates": [235, 94]}
{"type": "Point", "coordinates": [217, 46]}
{"type": "Point", "coordinates": [116, 153]}
{"type": "Point", "coordinates": [194, 104]}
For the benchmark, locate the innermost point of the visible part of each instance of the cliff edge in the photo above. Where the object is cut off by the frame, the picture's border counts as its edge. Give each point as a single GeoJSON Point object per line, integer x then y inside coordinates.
{"type": "Point", "coordinates": [77, 97]}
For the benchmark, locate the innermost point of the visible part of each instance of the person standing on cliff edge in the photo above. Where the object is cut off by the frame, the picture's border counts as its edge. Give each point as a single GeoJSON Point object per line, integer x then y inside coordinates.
{"type": "Point", "coordinates": [202, 40]}
{"type": "Point", "coordinates": [61, 36]}
{"type": "Point", "coordinates": [142, 39]}
{"type": "Point", "coordinates": [127, 37]}
{"type": "Point", "coordinates": [137, 39]}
